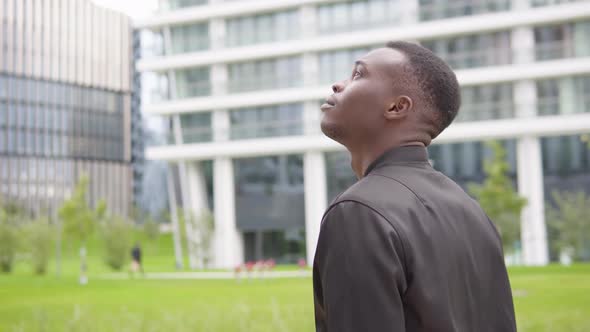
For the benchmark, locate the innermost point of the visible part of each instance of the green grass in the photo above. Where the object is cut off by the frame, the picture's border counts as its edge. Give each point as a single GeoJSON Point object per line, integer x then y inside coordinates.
{"type": "Point", "coordinates": [547, 299]}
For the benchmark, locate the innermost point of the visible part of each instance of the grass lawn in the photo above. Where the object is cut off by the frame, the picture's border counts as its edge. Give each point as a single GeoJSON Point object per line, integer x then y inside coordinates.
{"type": "Point", "coordinates": [551, 299]}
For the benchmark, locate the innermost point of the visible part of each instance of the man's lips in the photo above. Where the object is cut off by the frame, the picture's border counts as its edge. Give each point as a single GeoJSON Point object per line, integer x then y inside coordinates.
{"type": "Point", "coordinates": [330, 102]}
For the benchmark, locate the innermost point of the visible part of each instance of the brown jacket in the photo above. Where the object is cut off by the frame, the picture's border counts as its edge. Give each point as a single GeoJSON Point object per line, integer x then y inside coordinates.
{"type": "Point", "coordinates": [406, 249]}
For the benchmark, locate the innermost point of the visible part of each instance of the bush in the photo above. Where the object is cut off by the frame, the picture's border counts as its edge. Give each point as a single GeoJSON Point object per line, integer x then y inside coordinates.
{"type": "Point", "coordinates": [8, 245]}
{"type": "Point", "coordinates": [9, 238]}
{"type": "Point", "coordinates": [568, 223]}
{"type": "Point", "coordinates": [117, 235]}
{"type": "Point", "coordinates": [40, 237]}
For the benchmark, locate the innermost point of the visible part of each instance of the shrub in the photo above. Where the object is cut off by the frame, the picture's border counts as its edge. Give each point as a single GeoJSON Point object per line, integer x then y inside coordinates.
{"type": "Point", "coordinates": [39, 241]}
{"type": "Point", "coordinates": [117, 235]}
{"type": "Point", "coordinates": [9, 238]}
{"type": "Point", "coordinates": [568, 222]}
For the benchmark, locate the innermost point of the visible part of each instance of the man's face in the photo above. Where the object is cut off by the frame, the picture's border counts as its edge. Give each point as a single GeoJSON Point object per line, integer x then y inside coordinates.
{"type": "Point", "coordinates": [355, 111]}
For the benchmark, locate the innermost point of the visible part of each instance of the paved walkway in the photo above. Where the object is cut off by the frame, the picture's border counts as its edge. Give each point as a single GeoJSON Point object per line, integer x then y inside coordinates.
{"type": "Point", "coordinates": [212, 275]}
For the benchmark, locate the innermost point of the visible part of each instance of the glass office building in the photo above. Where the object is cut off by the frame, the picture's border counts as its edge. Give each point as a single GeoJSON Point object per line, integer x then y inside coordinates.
{"type": "Point", "coordinates": [65, 108]}
{"type": "Point", "coordinates": [240, 84]}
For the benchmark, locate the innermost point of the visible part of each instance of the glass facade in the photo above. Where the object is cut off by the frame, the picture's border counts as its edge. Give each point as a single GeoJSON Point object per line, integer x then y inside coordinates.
{"type": "Point", "coordinates": [265, 74]}
{"type": "Point", "coordinates": [356, 15]}
{"type": "Point", "coordinates": [178, 4]}
{"type": "Point", "coordinates": [339, 174]}
{"type": "Point", "coordinates": [486, 102]}
{"type": "Point", "coordinates": [189, 38]}
{"type": "Point", "coordinates": [270, 208]}
{"type": "Point", "coordinates": [559, 41]}
{"type": "Point", "coordinates": [561, 96]}
{"type": "Point", "coordinates": [440, 9]}
{"type": "Point", "coordinates": [189, 82]}
{"type": "Point", "coordinates": [196, 127]}
{"type": "Point", "coordinates": [51, 134]}
{"type": "Point", "coordinates": [263, 28]}
{"type": "Point", "coordinates": [471, 51]}
{"type": "Point", "coordinates": [268, 121]}
{"type": "Point", "coordinates": [539, 3]}
{"type": "Point", "coordinates": [49, 119]}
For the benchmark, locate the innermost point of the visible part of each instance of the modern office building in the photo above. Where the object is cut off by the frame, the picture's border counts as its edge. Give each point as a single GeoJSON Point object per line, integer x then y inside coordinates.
{"type": "Point", "coordinates": [240, 83]}
{"type": "Point", "coordinates": [65, 90]}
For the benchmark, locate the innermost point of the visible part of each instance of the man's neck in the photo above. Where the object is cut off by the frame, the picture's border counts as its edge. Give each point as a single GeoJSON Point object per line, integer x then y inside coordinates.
{"type": "Point", "coordinates": [361, 158]}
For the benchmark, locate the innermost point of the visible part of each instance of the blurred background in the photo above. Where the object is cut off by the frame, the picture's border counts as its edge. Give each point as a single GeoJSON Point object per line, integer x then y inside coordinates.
{"type": "Point", "coordinates": [190, 129]}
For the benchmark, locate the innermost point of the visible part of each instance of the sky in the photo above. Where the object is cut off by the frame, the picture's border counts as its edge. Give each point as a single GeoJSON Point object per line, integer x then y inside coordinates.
{"type": "Point", "coordinates": [134, 8]}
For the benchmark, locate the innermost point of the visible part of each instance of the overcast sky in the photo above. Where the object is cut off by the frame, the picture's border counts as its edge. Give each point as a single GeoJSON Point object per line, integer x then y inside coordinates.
{"type": "Point", "coordinates": [134, 8]}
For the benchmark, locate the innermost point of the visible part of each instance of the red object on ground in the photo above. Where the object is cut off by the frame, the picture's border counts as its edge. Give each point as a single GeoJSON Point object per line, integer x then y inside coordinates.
{"type": "Point", "coordinates": [302, 263]}
{"type": "Point", "coordinates": [250, 266]}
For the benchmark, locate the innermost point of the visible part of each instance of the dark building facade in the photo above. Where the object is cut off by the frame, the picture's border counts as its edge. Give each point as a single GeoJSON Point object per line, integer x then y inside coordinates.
{"type": "Point", "coordinates": [65, 103]}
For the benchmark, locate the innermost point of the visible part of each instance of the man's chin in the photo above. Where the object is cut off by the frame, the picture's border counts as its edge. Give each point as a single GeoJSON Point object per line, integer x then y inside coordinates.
{"type": "Point", "coordinates": [332, 131]}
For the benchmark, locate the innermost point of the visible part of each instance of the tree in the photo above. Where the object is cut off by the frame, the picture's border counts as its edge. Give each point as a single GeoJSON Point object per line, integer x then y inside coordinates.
{"type": "Point", "coordinates": [8, 241]}
{"type": "Point", "coordinates": [568, 220]}
{"type": "Point", "coordinates": [80, 220]}
{"type": "Point", "coordinates": [205, 228]}
{"type": "Point", "coordinates": [117, 234]}
{"type": "Point", "coordinates": [11, 220]}
{"type": "Point", "coordinates": [498, 198]}
{"type": "Point", "coordinates": [39, 237]}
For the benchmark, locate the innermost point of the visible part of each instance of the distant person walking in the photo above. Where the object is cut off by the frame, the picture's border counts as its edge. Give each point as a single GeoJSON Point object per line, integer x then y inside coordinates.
{"type": "Point", "coordinates": [136, 259]}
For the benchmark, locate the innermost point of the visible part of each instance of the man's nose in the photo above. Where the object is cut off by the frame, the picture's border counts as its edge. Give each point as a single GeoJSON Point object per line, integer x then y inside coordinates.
{"type": "Point", "coordinates": [338, 87]}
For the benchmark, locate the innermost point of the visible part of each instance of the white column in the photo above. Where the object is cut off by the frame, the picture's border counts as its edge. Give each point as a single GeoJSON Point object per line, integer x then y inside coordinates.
{"type": "Point", "coordinates": [174, 219]}
{"type": "Point", "coordinates": [528, 153]}
{"type": "Point", "coordinates": [228, 240]}
{"type": "Point", "coordinates": [530, 185]}
{"type": "Point", "coordinates": [315, 199]}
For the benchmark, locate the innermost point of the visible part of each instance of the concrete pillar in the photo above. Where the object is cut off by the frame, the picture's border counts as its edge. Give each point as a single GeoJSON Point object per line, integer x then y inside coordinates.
{"type": "Point", "coordinates": [530, 185]}
{"type": "Point", "coordinates": [174, 219]}
{"type": "Point", "coordinates": [528, 153]}
{"type": "Point", "coordinates": [315, 199]}
{"type": "Point", "coordinates": [228, 241]}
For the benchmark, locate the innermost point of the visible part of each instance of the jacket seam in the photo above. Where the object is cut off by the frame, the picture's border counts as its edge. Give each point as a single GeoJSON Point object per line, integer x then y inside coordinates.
{"type": "Point", "coordinates": [397, 232]}
{"type": "Point", "coordinates": [403, 184]}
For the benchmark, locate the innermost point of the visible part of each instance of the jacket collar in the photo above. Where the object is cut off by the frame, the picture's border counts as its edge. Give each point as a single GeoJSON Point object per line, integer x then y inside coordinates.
{"type": "Point", "coordinates": [402, 154]}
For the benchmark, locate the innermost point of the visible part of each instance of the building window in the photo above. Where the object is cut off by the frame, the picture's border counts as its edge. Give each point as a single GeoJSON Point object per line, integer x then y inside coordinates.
{"type": "Point", "coordinates": [440, 9]}
{"type": "Point", "coordinates": [269, 121]}
{"type": "Point", "coordinates": [264, 28]}
{"type": "Point", "coordinates": [473, 50]}
{"type": "Point", "coordinates": [357, 15]}
{"type": "Point", "coordinates": [178, 4]}
{"type": "Point", "coordinates": [339, 174]}
{"type": "Point", "coordinates": [562, 41]}
{"type": "Point", "coordinates": [270, 205]}
{"type": "Point", "coordinates": [189, 38]}
{"type": "Point", "coordinates": [464, 162]}
{"type": "Point", "coordinates": [566, 95]}
{"type": "Point", "coordinates": [196, 128]}
{"type": "Point", "coordinates": [540, 3]}
{"type": "Point", "coordinates": [486, 102]}
{"type": "Point", "coordinates": [265, 75]}
{"type": "Point", "coordinates": [192, 82]}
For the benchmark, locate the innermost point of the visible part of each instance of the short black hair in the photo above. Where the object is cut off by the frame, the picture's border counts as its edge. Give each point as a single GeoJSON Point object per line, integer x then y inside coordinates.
{"type": "Point", "coordinates": [435, 78]}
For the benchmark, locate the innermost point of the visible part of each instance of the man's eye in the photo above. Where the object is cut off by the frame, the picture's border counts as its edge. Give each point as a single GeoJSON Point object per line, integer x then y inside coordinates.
{"type": "Point", "coordinates": [356, 74]}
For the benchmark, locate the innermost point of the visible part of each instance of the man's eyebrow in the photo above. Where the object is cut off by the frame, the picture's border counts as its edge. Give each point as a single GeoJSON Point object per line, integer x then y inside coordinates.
{"type": "Point", "coordinates": [360, 62]}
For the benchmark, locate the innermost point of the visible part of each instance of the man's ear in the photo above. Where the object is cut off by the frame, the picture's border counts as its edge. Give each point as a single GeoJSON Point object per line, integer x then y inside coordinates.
{"type": "Point", "coordinates": [400, 108]}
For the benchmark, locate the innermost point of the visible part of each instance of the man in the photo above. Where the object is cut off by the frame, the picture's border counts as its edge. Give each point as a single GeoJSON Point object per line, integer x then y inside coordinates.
{"type": "Point", "coordinates": [405, 248]}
